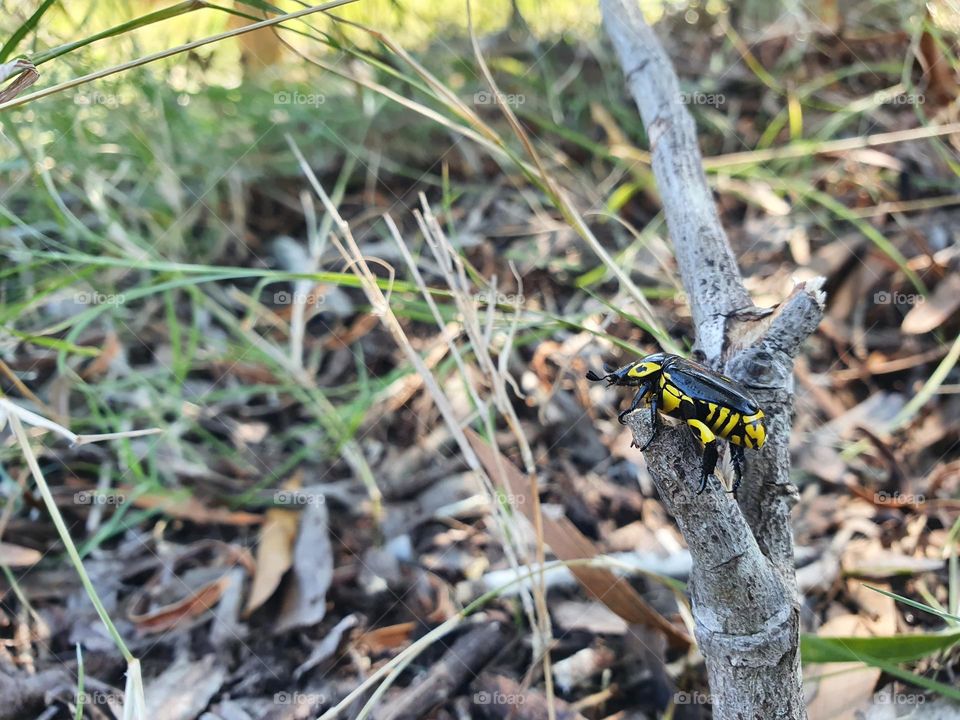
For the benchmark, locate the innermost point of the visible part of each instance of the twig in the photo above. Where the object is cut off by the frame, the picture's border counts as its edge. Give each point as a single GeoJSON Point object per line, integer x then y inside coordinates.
{"type": "Point", "coordinates": [465, 659]}
{"type": "Point", "coordinates": [743, 585]}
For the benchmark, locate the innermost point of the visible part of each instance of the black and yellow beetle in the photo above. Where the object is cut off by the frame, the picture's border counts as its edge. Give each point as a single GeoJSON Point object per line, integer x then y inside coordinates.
{"type": "Point", "coordinates": [712, 405]}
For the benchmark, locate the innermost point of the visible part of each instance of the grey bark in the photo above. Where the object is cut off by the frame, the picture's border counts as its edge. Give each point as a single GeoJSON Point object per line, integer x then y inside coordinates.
{"type": "Point", "coordinates": [22, 697]}
{"type": "Point", "coordinates": [464, 660]}
{"type": "Point", "coordinates": [743, 585]}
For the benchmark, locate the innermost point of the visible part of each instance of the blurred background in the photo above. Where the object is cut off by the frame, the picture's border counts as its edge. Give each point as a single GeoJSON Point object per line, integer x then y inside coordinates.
{"type": "Point", "coordinates": [356, 476]}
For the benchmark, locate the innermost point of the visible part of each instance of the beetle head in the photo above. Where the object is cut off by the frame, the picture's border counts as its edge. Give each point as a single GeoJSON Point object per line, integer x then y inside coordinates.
{"type": "Point", "coordinates": [638, 372]}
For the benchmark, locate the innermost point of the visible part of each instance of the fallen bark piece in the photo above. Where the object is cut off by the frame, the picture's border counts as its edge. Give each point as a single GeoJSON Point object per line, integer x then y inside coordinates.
{"type": "Point", "coordinates": [502, 697]}
{"type": "Point", "coordinates": [23, 697]}
{"type": "Point", "coordinates": [327, 647]}
{"type": "Point", "coordinates": [184, 689]}
{"type": "Point", "coordinates": [676, 565]}
{"type": "Point", "coordinates": [582, 665]}
{"type": "Point", "coordinates": [305, 603]}
{"type": "Point", "coordinates": [227, 629]}
{"type": "Point", "coordinates": [593, 617]}
{"type": "Point", "coordinates": [462, 661]}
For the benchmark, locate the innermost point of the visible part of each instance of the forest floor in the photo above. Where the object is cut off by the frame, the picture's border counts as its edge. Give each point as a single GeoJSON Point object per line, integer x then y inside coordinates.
{"type": "Point", "coordinates": [312, 519]}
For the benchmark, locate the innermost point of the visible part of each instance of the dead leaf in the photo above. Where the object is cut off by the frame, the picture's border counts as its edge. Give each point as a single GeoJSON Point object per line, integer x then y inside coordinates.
{"type": "Point", "coordinates": [868, 559]}
{"type": "Point", "coordinates": [935, 310]}
{"type": "Point", "coordinates": [568, 543]}
{"type": "Point", "coordinates": [841, 687]}
{"type": "Point", "coordinates": [101, 363]}
{"type": "Point", "coordinates": [250, 433]}
{"type": "Point", "coordinates": [17, 556]}
{"type": "Point", "coordinates": [386, 638]}
{"type": "Point", "coordinates": [844, 688]}
{"type": "Point", "coordinates": [878, 363]}
{"type": "Point", "coordinates": [169, 616]}
{"type": "Point", "coordinates": [190, 508]}
{"type": "Point", "coordinates": [869, 156]}
{"type": "Point", "coordinates": [361, 327]}
{"type": "Point", "coordinates": [252, 373]}
{"type": "Point", "coordinates": [757, 193]}
{"type": "Point", "coordinates": [27, 75]}
{"type": "Point", "coordinates": [937, 69]}
{"type": "Point", "coordinates": [274, 555]}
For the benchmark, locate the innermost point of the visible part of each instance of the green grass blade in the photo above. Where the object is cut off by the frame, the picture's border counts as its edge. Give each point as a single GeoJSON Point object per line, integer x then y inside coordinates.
{"type": "Point", "coordinates": [893, 648]}
{"type": "Point", "coordinates": [121, 29]}
{"type": "Point", "coordinates": [912, 677]}
{"type": "Point", "coordinates": [666, 343]}
{"type": "Point", "coordinates": [914, 604]}
{"type": "Point", "coordinates": [21, 32]}
{"type": "Point", "coordinates": [123, 67]}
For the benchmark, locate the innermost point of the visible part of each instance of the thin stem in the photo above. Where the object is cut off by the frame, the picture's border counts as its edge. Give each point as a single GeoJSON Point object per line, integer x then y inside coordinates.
{"type": "Point", "coordinates": [64, 533]}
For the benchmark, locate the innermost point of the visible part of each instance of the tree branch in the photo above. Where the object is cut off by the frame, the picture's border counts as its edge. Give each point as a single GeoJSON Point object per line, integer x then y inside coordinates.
{"type": "Point", "coordinates": [743, 584]}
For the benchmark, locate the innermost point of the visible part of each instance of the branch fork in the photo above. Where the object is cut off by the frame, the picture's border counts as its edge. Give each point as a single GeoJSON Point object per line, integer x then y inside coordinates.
{"type": "Point", "coordinates": [743, 584]}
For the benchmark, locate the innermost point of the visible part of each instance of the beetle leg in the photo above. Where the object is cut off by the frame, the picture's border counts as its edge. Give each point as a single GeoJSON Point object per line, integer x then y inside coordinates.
{"type": "Point", "coordinates": [709, 441]}
{"type": "Point", "coordinates": [637, 399]}
{"type": "Point", "coordinates": [736, 455]}
{"type": "Point", "coordinates": [709, 464]}
{"type": "Point", "coordinates": [654, 420]}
